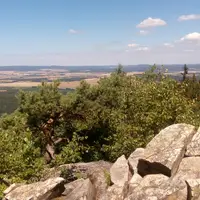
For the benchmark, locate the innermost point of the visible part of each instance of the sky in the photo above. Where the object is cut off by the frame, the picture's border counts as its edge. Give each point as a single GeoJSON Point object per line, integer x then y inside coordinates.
{"type": "Point", "coordinates": [99, 32]}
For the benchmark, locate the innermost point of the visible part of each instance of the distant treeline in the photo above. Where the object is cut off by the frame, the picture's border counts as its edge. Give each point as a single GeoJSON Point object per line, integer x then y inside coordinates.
{"type": "Point", "coordinates": [8, 98]}
{"type": "Point", "coordinates": [47, 80]}
{"type": "Point", "coordinates": [108, 68]}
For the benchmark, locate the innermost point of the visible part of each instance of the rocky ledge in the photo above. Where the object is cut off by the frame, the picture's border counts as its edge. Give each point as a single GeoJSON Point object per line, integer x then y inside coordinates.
{"type": "Point", "coordinates": [167, 169]}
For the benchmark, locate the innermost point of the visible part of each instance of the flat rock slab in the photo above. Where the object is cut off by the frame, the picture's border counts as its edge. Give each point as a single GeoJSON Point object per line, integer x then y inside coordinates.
{"type": "Point", "coordinates": [84, 169]}
{"type": "Point", "coordinates": [166, 150]}
{"type": "Point", "coordinates": [193, 149]}
{"type": "Point", "coordinates": [46, 190]}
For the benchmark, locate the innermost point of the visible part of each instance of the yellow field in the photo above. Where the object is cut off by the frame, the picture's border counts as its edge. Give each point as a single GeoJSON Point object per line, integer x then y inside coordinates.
{"type": "Point", "coordinates": [63, 85]}
{"type": "Point", "coordinates": [72, 84]}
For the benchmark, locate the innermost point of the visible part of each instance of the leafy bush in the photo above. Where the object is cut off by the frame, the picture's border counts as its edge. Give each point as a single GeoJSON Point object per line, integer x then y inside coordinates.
{"type": "Point", "coordinates": [20, 160]}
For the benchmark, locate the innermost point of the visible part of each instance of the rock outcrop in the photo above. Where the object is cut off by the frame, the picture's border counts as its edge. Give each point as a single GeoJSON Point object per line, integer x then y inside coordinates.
{"type": "Point", "coordinates": [85, 190]}
{"type": "Point", "coordinates": [165, 152]}
{"type": "Point", "coordinates": [46, 190]}
{"type": "Point", "coordinates": [167, 169]}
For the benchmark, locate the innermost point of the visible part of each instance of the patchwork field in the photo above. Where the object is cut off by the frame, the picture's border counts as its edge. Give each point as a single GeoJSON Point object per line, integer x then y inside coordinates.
{"type": "Point", "coordinates": [63, 85]}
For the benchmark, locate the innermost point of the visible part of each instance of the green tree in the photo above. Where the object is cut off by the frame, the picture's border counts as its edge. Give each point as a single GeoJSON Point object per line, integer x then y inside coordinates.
{"type": "Point", "coordinates": [185, 72]}
{"type": "Point", "coordinates": [43, 112]}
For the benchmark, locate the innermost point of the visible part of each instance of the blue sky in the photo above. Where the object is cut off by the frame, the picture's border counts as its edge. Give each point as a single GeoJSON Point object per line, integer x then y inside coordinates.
{"type": "Point", "coordinates": [98, 32]}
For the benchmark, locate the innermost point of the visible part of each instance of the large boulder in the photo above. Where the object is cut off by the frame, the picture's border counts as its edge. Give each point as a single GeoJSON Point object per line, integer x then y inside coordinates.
{"type": "Point", "coordinates": [193, 149]}
{"type": "Point", "coordinates": [134, 159]}
{"type": "Point", "coordinates": [85, 191]}
{"type": "Point", "coordinates": [71, 170]}
{"type": "Point", "coordinates": [46, 190]}
{"type": "Point", "coordinates": [158, 187]}
{"type": "Point", "coordinates": [166, 150]}
{"type": "Point", "coordinates": [120, 172]}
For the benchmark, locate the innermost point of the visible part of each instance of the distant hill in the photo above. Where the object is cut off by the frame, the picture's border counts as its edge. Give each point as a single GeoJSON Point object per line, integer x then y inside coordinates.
{"type": "Point", "coordinates": [109, 68]}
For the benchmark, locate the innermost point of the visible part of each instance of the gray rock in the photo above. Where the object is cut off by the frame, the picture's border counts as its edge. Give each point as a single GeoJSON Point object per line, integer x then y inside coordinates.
{"type": "Point", "coordinates": [158, 187]}
{"type": "Point", "coordinates": [69, 187]}
{"type": "Point", "coordinates": [46, 190]}
{"type": "Point", "coordinates": [85, 191]}
{"type": "Point", "coordinates": [189, 169]}
{"type": "Point", "coordinates": [134, 158]}
{"type": "Point", "coordinates": [165, 152]}
{"type": "Point", "coordinates": [116, 192]}
{"type": "Point", "coordinates": [193, 149]}
{"type": "Point", "coordinates": [101, 180]}
{"type": "Point", "coordinates": [135, 181]}
{"type": "Point", "coordinates": [119, 172]}
{"type": "Point", "coordinates": [83, 169]}
{"type": "Point", "coordinates": [194, 189]}
{"type": "Point", "coordinates": [11, 188]}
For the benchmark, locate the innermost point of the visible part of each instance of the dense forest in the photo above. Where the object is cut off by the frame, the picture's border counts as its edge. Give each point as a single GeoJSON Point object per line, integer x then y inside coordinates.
{"type": "Point", "coordinates": [96, 122]}
{"type": "Point", "coordinates": [8, 98]}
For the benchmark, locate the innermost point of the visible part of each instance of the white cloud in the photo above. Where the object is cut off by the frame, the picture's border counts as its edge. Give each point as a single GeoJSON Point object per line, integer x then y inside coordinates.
{"type": "Point", "coordinates": [189, 50]}
{"type": "Point", "coordinates": [151, 22]}
{"type": "Point", "coordinates": [191, 37]}
{"type": "Point", "coordinates": [143, 32]}
{"type": "Point", "coordinates": [133, 45]}
{"type": "Point", "coordinates": [72, 31]}
{"type": "Point", "coordinates": [143, 49]}
{"type": "Point", "coordinates": [168, 45]}
{"type": "Point", "coordinates": [188, 17]}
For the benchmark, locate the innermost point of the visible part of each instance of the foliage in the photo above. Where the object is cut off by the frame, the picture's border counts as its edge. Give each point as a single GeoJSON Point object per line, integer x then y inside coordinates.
{"type": "Point", "coordinates": [20, 160]}
{"type": "Point", "coordinates": [2, 188]}
{"type": "Point", "coordinates": [107, 178]}
{"type": "Point", "coordinates": [8, 100]}
{"type": "Point", "coordinates": [104, 121]}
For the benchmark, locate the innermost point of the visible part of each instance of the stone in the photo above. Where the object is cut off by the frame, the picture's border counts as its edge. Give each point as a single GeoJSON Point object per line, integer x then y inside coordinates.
{"type": "Point", "coordinates": [101, 180]}
{"type": "Point", "coordinates": [166, 150]}
{"type": "Point", "coordinates": [135, 181]}
{"type": "Point", "coordinates": [85, 191]}
{"type": "Point", "coordinates": [69, 187]}
{"type": "Point", "coordinates": [119, 172]}
{"type": "Point", "coordinates": [46, 190]}
{"type": "Point", "coordinates": [116, 192]}
{"type": "Point", "coordinates": [193, 189]}
{"type": "Point", "coordinates": [193, 149]}
{"type": "Point", "coordinates": [189, 169]}
{"type": "Point", "coordinates": [81, 168]}
{"type": "Point", "coordinates": [11, 188]}
{"type": "Point", "coordinates": [158, 187]}
{"type": "Point", "coordinates": [134, 159]}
